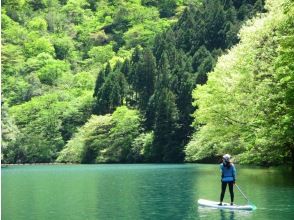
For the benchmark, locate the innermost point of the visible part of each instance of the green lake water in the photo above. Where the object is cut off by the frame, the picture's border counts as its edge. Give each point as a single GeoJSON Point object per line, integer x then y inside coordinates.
{"type": "Point", "coordinates": [145, 191]}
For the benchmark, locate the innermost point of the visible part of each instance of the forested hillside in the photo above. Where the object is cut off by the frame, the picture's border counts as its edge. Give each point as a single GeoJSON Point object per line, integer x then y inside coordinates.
{"type": "Point", "coordinates": [52, 52]}
{"type": "Point", "coordinates": [67, 66]}
{"type": "Point", "coordinates": [247, 104]}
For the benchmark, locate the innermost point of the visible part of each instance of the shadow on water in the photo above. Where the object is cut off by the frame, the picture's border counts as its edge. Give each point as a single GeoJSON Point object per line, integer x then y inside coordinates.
{"type": "Point", "coordinates": [230, 215]}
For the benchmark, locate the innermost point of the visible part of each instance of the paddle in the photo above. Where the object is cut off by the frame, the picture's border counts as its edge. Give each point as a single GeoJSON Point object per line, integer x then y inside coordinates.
{"type": "Point", "coordinates": [250, 203]}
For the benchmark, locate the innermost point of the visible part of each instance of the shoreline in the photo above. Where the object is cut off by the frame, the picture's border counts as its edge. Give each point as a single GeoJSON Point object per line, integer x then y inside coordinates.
{"type": "Point", "coordinates": [32, 164]}
{"type": "Point", "coordinates": [65, 164]}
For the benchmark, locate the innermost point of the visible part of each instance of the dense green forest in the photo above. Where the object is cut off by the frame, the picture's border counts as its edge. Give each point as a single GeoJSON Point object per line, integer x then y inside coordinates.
{"type": "Point", "coordinates": [247, 105]}
{"type": "Point", "coordinates": [90, 81]}
{"type": "Point", "coordinates": [52, 52]}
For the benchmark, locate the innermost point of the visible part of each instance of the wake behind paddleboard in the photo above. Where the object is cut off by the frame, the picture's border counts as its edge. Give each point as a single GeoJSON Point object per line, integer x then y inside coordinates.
{"type": "Point", "coordinates": [213, 204]}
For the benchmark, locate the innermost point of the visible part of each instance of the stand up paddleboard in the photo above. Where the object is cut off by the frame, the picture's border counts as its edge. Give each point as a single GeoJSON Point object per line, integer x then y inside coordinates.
{"type": "Point", "coordinates": [213, 204]}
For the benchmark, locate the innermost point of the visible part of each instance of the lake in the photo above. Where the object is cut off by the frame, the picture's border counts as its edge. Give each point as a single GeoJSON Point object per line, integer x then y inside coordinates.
{"type": "Point", "coordinates": [144, 191]}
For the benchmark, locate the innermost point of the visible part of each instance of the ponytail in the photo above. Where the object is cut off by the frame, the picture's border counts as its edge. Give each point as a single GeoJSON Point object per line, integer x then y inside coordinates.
{"type": "Point", "coordinates": [227, 164]}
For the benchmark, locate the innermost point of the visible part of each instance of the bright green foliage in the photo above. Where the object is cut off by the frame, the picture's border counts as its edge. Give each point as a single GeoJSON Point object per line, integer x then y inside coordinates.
{"type": "Point", "coordinates": [126, 128]}
{"type": "Point", "coordinates": [14, 8]}
{"type": "Point", "coordinates": [105, 138]}
{"type": "Point", "coordinates": [35, 46]}
{"type": "Point", "coordinates": [12, 59]}
{"type": "Point", "coordinates": [85, 33]}
{"type": "Point", "coordinates": [53, 50]}
{"type": "Point", "coordinates": [101, 54]}
{"type": "Point", "coordinates": [84, 81]}
{"type": "Point", "coordinates": [190, 47]}
{"type": "Point", "coordinates": [12, 31]}
{"type": "Point", "coordinates": [74, 9]}
{"type": "Point", "coordinates": [52, 71]}
{"type": "Point", "coordinates": [63, 46]}
{"type": "Point", "coordinates": [38, 24]}
{"type": "Point", "coordinates": [138, 34]}
{"type": "Point", "coordinates": [20, 91]}
{"type": "Point", "coordinates": [46, 122]}
{"type": "Point", "coordinates": [75, 149]}
{"type": "Point", "coordinates": [142, 147]}
{"type": "Point", "coordinates": [284, 67]}
{"type": "Point", "coordinates": [245, 107]}
{"type": "Point", "coordinates": [9, 133]}
{"type": "Point", "coordinates": [39, 124]}
{"type": "Point", "coordinates": [76, 114]}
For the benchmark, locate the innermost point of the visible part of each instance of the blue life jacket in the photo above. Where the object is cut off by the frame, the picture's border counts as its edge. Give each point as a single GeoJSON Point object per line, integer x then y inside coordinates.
{"type": "Point", "coordinates": [228, 174]}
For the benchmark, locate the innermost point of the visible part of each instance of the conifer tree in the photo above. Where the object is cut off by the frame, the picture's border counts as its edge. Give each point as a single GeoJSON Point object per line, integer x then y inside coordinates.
{"type": "Point", "coordinates": [107, 69]}
{"type": "Point", "coordinates": [134, 74]}
{"type": "Point", "coordinates": [200, 55]}
{"type": "Point", "coordinates": [99, 82]}
{"type": "Point", "coordinates": [215, 21]}
{"type": "Point", "coordinates": [100, 105]}
{"type": "Point", "coordinates": [146, 78]}
{"type": "Point", "coordinates": [112, 91]}
{"type": "Point", "coordinates": [166, 117]}
{"type": "Point", "coordinates": [182, 84]}
{"type": "Point", "coordinates": [126, 68]}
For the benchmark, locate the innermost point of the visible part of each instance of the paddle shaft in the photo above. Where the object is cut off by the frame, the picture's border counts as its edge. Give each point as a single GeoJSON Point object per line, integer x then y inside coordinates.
{"type": "Point", "coordinates": [242, 193]}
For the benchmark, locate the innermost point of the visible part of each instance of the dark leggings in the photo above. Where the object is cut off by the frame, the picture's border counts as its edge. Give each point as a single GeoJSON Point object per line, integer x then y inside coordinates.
{"type": "Point", "coordinates": [224, 186]}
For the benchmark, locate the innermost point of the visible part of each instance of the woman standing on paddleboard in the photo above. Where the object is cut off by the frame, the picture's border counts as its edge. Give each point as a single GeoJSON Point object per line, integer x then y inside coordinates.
{"type": "Point", "coordinates": [228, 171]}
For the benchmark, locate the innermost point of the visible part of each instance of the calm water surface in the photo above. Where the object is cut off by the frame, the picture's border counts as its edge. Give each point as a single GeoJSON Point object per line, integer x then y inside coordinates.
{"type": "Point", "coordinates": [81, 192]}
